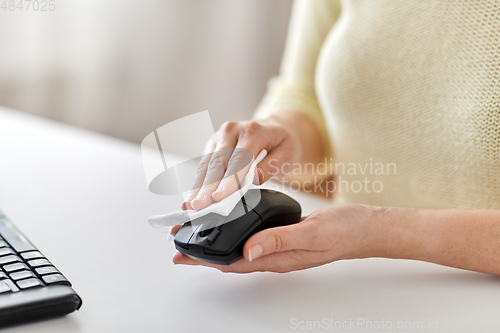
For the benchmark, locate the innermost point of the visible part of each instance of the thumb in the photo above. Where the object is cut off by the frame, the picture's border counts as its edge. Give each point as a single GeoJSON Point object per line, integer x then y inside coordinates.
{"type": "Point", "coordinates": [279, 239]}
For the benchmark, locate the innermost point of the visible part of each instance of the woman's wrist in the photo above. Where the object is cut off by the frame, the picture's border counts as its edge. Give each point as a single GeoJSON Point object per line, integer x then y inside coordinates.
{"type": "Point", "coordinates": [403, 234]}
{"type": "Point", "coordinates": [443, 237]}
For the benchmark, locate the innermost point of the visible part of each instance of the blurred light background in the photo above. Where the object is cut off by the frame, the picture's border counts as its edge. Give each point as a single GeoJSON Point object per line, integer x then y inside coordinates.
{"type": "Point", "coordinates": [125, 67]}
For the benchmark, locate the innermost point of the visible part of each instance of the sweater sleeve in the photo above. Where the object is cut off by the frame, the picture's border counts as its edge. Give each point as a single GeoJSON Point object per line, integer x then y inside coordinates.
{"type": "Point", "coordinates": [293, 89]}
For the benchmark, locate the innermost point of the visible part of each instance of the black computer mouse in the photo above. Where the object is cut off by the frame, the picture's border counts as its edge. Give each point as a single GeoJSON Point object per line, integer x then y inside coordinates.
{"type": "Point", "coordinates": [211, 238]}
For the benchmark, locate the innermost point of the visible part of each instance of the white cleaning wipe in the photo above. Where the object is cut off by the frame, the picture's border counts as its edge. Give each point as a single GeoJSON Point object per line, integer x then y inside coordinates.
{"type": "Point", "coordinates": [223, 207]}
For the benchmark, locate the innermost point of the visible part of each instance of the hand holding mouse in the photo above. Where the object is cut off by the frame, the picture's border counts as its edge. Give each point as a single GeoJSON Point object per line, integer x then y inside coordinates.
{"type": "Point", "coordinates": [341, 231]}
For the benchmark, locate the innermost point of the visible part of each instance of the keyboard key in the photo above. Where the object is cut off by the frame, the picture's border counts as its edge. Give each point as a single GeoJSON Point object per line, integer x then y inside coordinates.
{"type": "Point", "coordinates": [22, 275]}
{"type": "Point", "coordinates": [3, 244]}
{"type": "Point", "coordinates": [5, 251]}
{"type": "Point", "coordinates": [39, 262]}
{"type": "Point", "coordinates": [4, 284]}
{"type": "Point", "coordinates": [4, 287]}
{"type": "Point", "coordinates": [9, 259]}
{"type": "Point", "coordinates": [56, 279]}
{"type": "Point", "coordinates": [14, 237]}
{"type": "Point", "coordinates": [3, 276]}
{"type": "Point", "coordinates": [46, 270]}
{"type": "Point", "coordinates": [32, 255]}
{"type": "Point", "coordinates": [14, 267]}
{"type": "Point", "coordinates": [29, 283]}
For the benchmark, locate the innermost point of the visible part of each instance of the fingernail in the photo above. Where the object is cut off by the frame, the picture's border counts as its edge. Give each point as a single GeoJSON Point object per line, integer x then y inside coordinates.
{"type": "Point", "coordinates": [200, 197]}
{"type": "Point", "coordinates": [254, 252]}
{"type": "Point", "coordinates": [219, 189]}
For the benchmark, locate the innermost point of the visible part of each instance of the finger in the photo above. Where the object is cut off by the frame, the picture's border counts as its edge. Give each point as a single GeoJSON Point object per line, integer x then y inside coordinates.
{"type": "Point", "coordinates": [175, 229]}
{"type": "Point", "coordinates": [211, 144]}
{"type": "Point", "coordinates": [292, 237]}
{"type": "Point", "coordinates": [226, 141]}
{"type": "Point", "coordinates": [181, 259]}
{"type": "Point", "coordinates": [250, 142]}
{"type": "Point", "coordinates": [215, 172]}
{"type": "Point", "coordinates": [275, 262]}
{"type": "Point", "coordinates": [241, 266]}
{"type": "Point", "coordinates": [200, 173]}
{"type": "Point", "coordinates": [238, 167]}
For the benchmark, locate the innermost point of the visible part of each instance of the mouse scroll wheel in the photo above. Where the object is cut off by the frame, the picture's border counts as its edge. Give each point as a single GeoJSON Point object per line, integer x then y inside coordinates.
{"type": "Point", "coordinates": [206, 232]}
{"type": "Point", "coordinates": [209, 226]}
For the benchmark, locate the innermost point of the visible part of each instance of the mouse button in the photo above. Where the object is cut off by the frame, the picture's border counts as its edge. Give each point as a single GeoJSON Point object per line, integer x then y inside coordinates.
{"type": "Point", "coordinates": [252, 198]}
{"type": "Point", "coordinates": [274, 203]}
{"type": "Point", "coordinates": [233, 234]}
{"type": "Point", "coordinates": [238, 211]}
{"type": "Point", "coordinates": [281, 220]}
{"type": "Point", "coordinates": [184, 235]}
{"type": "Point", "coordinates": [213, 236]}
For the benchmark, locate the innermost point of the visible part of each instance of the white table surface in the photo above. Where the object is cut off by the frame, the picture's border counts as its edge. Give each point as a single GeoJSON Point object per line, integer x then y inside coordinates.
{"type": "Point", "coordinates": [81, 198]}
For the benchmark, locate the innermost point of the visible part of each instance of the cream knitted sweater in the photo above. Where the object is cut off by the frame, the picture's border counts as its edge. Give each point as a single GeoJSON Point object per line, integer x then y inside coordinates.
{"type": "Point", "coordinates": [410, 89]}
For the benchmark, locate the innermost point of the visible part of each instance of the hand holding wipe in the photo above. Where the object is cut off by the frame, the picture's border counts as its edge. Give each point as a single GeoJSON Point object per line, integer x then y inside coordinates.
{"type": "Point", "coordinates": [223, 207]}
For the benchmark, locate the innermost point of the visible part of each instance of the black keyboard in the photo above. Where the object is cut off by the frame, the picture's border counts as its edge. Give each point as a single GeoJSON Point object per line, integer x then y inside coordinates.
{"type": "Point", "coordinates": [31, 287]}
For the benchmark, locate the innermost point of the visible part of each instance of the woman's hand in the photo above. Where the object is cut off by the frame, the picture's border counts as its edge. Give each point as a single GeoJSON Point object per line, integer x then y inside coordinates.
{"type": "Point", "coordinates": [461, 238]}
{"type": "Point", "coordinates": [341, 231]}
{"type": "Point", "coordinates": [283, 136]}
